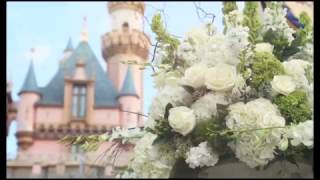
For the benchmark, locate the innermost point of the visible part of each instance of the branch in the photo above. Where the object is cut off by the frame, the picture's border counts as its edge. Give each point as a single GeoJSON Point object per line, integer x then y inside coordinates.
{"type": "Point", "coordinates": [206, 14]}
{"type": "Point", "coordinates": [134, 113]}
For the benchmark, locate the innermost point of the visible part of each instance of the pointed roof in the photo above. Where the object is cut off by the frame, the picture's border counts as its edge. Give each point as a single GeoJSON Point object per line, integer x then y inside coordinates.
{"type": "Point", "coordinates": [128, 88]}
{"type": "Point", "coordinates": [30, 82]}
{"type": "Point", "coordinates": [105, 92]}
{"type": "Point", "coordinates": [69, 46]}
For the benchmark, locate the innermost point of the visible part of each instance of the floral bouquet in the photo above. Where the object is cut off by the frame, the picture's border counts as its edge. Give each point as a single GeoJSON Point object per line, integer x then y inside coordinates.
{"type": "Point", "coordinates": [245, 93]}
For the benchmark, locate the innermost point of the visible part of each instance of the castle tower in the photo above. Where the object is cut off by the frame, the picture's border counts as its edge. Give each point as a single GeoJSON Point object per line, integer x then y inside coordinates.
{"type": "Point", "coordinates": [29, 95]}
{"type": "Point", "coordinates": [126, 41]}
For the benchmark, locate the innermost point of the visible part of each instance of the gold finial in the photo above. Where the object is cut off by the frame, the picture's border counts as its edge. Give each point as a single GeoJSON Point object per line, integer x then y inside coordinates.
{"type": "Point", "coordinates": [84, 33]}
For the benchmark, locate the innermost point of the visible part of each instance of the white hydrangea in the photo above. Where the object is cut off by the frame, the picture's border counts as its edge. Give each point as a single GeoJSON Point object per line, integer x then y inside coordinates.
{"type": "Point", "coordinates": [206, 106]}
{"type": "Point", "coordinates": [301, 133]}
{"type": "Point", "coordinates": [255, 148]}
{"type": "Point", "coordinates": [149, 161]}
{"type": "Point", "coordinates": [176, 95]}
{"type": "Point", "coordinates": [201, 156]}
{"type": "Point", "coordinates": [275, 19]}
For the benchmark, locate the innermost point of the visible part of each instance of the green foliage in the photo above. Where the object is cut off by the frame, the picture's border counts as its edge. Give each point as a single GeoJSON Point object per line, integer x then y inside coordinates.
{"type": "Point", "coordinates": [264, 68]}
{"type": "Point", "coordinates": [228, 6]}
{"type": "Point", "coordinates": [308, 74]}
{"type": "Point", "coordinates": [294, 107]}
{"type": "Point", "coordinates": [87, 143]}
{"type": "Point", "coordinates": [164, 38]}
{"type": "Point", "coordinates": [252, 21]}
{"type": "Point", "coordinates": [279, 42]}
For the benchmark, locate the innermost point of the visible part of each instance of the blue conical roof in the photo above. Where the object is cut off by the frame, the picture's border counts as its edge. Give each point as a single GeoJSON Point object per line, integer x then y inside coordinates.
{"type": "Point", "coordinates": [105, 92]}
{"type": "Point", "coordinates": [30, 82]}
{"type": "Point", "coordinates": [69, 46]}
{"type": "Point", "coordinates": [128, 88]}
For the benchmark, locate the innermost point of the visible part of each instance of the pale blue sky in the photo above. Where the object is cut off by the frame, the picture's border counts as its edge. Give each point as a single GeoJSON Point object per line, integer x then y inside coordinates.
{"type": "Point", "coordinates": [47, 27]}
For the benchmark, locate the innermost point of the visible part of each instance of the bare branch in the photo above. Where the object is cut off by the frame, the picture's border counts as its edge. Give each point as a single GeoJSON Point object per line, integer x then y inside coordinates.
{"type": "Point", "coordinates": [206, 14]}
{"type": "Point", "coordinates": [134, 113]}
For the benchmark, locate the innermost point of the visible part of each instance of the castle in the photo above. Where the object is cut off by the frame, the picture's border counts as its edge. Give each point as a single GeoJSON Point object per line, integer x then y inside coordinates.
{"type": "Point", "coordinates": [81, 99]}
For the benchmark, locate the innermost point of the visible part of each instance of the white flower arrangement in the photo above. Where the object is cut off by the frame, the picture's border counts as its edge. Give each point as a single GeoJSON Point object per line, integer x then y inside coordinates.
{"type": "Point", "coordinates": [238, 94]}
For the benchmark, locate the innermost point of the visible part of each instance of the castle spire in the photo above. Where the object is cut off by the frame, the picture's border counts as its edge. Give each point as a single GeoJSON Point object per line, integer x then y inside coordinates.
{"type": "Point", "coordinates": [30, 82]}
{"type": "Point", "coordinates": [69, 46]}
{"type": "Point", "coordinates": [84, 33]}
{"type": "Point", "coordinates": [128, 88]}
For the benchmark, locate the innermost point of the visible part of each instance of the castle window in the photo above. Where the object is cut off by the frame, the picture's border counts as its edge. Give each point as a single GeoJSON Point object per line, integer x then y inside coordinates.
{"type": "Point", "coordinates": [79, 101]}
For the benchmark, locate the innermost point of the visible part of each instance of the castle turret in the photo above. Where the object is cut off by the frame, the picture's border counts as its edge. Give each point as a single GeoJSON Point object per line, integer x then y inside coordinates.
{"type": "Point", "coordinates": [127, 41]}
{"type": "Point", "coordinates": [29, 95]}
{"type": "Point", "coordinates": [129, 101]}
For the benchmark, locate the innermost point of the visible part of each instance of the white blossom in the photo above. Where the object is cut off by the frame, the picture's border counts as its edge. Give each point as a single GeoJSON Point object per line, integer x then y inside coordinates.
{"type": "Point", "coordinates": [283, 84]}
{"type": "Point", "coordinates": [201, 156]}
{"type": "Point", "coordinates": [182, 119]}
{"type": "Point", "coordinates": [255, 148]}
{"type": "Point", "coordinates": [206, 106]}
{"type": "Point", "coordinates": [301, 134]}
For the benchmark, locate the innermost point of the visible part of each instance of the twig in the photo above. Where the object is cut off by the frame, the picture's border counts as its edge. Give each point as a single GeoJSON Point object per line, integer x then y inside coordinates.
{"type": "Point", "coordinates": [134, 113]}
{"type": "Point", "coordinates": [206, 14]}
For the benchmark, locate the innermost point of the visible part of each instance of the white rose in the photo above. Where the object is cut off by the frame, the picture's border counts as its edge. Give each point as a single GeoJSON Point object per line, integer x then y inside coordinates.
{"type": "Point", "coordinates": [194, 76]}
{"type": "Point", "coordinates": [283, 84]}
{"type": "Point", "coordinates": [222, 77]}
{"type": "Point", "coordinates": [263, 47]}
{"type": "Point", "coordinates": [166, 78]}
{"type": "Point", "coordinates": [182, 119]}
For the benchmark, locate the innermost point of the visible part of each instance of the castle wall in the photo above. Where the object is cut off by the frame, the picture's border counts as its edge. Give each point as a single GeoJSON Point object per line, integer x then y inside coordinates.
{"type": "Point", "coordinates": [110, 117]}
{"type": "Point", "coordinates": [133, 18]}
{"type": "Point", "coordinates": [54, 115]}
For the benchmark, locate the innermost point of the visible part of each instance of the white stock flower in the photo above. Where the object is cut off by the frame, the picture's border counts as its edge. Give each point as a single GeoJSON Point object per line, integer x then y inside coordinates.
{"type": "Point", "coordinates": [275, 20]}
{"type": "Point", "coordinates": [233, 18]}
{"type": "Point", "coordinates": [194, 76]}
{"type": "Point", "coordinates": [255, 148]}
{"type": "Point", "coordinates": [197, 35]}
{"type": "Point", "coordinates": [264, 47]}
{"type": "Point", "coordinates": [283, 84]}
{"type": "Point", "coordinates": [182, 119]}
{"type": "Point", "coordinates": [206, 106]}
{"type": "Point", "coordinates": [302, 134]}
{"type": "Point", "coordinates": [201, 156]}
{"type": "Point", "coordinates": [222, 77]}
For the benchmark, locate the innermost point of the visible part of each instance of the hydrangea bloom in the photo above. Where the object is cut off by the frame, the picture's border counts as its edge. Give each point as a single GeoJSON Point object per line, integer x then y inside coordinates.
{"type": "Point", "coordinates": [301, 134]}
{"type": "Point", "coordinates": [206, 106]}
{"type": "Point", "coordinates": [149, 161]}
{"type": "Point", "coordinates": [201, 156]}
{"type": "Point", "coordinates": [255, 148]}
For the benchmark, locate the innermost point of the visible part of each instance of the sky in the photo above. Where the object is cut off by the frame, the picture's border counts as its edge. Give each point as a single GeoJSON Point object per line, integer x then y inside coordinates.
{"type": "Point", "coordinates": [47, 26]}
